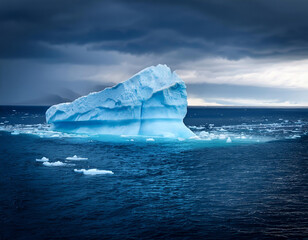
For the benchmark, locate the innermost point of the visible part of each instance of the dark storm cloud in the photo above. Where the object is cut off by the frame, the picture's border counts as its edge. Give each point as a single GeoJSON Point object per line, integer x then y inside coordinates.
{"type": "Point", "coordinates": [232, 29]}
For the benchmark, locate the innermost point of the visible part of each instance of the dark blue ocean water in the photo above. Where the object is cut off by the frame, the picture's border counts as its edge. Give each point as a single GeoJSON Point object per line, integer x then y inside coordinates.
{"type": "Point", "coordinates": [252, 186]}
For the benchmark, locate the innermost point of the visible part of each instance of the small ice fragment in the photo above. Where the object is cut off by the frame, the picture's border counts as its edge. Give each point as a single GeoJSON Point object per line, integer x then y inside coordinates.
{"type": "Point", "coordinates": [43, 159]}
{"type": "Point", "coordinates": [222, 136]}
{"type": "Point", "coordinates": [76, 158]}
{"type": "Point", "coordinates": [15, 133]}
{"type": "Point", "coordinates": [195, 137]}
{"type": "Point", "coordinates": [92, 171]}
{"type": "Point", "coordinates": [229, 140]}
{"type": "Point", "coordinates": [204, 134]}
{"type": "Point", "coordinates": [54, 164]}
{"type": "Point", "coordinates": [150, 139]}
{"type": "Point", "coordinates": [55, 135]}
{"type": "Point", "coordinates": [181, 139]}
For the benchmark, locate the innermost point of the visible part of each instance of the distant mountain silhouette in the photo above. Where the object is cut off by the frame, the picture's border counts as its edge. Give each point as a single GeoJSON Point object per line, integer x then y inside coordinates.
{"type": "Point", "coordinates": [47, 100]}
{"type": "Point", "coordinates": [69, 94]}
{"type": "Point", "coordinates": [65, 95]}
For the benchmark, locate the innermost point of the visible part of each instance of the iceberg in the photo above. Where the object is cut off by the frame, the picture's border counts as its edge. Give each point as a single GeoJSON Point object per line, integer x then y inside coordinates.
{"type": "Point", "coordinates": [151, 103]}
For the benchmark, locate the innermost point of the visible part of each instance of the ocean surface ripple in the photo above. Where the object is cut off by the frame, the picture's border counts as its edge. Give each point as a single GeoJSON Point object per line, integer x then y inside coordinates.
{"type": "Point", "coordinates": [253, 186]}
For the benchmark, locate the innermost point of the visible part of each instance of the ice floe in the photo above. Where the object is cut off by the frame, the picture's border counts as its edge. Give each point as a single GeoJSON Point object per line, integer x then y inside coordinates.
{"type": "Point", "coordinates": [54, 164]}
{"type": "Point", "coordinates": [93, 171]}
{"type": "Point", "coordinates": [43, 159]}
{"type": "Point", "coordinates": [76, 158]}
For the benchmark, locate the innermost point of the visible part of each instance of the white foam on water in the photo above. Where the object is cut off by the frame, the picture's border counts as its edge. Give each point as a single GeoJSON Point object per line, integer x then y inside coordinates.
{"type": "Point", "coordinates": [93, 171]}
{"type": "Point", "coordinates": [241, 133]}
{"type": "Point", "coordinates": [43, 159]}
{"type": "Point", "coordinates": [54, 164]}
{"type": "Point", "coordinates": [76, 158]}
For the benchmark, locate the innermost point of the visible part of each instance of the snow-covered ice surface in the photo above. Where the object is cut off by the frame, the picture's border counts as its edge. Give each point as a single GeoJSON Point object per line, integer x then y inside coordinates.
{"type": "Point", "coordinates": [93, 171]}
{"type": "Point", "coordinates": [76, 158]}
{"type": "Point", "coordinates": [151, 103]}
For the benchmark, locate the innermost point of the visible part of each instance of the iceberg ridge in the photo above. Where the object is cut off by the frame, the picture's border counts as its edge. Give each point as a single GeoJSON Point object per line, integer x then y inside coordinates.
{"type": "Point", "coordinates": [151, 103]}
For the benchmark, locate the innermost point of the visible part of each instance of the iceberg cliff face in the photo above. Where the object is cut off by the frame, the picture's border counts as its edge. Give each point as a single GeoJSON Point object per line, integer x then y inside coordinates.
{"type": "Point", "coordinates": [151, 103]}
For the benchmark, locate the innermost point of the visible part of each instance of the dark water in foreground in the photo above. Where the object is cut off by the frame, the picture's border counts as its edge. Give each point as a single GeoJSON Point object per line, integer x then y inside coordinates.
{"type": "Point", "coordinates": [255, 186]}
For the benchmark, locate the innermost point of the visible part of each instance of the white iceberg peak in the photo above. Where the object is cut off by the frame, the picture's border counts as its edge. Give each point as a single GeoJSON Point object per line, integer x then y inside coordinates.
{"type": "Point", "coordinates": [151, 103]}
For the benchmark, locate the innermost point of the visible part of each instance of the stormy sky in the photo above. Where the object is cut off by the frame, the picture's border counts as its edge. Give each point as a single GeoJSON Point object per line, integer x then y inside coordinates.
{"type": "Point", "coordinates": [229, 52]}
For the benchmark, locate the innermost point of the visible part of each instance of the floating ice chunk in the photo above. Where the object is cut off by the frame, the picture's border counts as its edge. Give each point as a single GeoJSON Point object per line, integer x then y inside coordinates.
{"type": "Point", "coordinates": [222, 136]}
{"type": "Point", "coordinates": [195, 137]}
{"type": "Point", "coordinates": [204, 134]}
{"type": "Point", "coordinates": [15, 133]}
{"type": "Point", "coordinates": [196, 127]}
{"type": "Point", "coordinates": [54, 164]}
{"type": "Point", "coordinates": [55, 135]}
{"type": "Point", "coordinates": [150, 139]}
{"type": "Point", "coordinates": [93, 171]}
{"type": "Point", "coordinates": [76, 158]}
{"type": "Point", "coordinates": [43, 159]}
{"type": "Point", "coordinates": [181, 139]}
{"type": "Point", "coordinates": [151, 103]}
{"type": "Point", "coordinates": [229, 140]}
